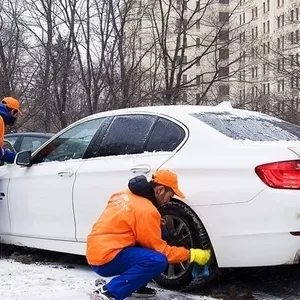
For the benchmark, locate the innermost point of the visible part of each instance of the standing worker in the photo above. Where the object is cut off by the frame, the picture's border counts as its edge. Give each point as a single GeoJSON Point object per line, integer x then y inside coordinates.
{"type": "Point", "coordinates": [9, 111]}
{"type": "Point", "coordinates": [126, 241]}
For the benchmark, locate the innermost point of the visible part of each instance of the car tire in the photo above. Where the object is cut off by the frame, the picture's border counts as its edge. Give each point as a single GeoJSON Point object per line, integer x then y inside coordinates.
{"type": "Point", "coordinates": [184, 229]}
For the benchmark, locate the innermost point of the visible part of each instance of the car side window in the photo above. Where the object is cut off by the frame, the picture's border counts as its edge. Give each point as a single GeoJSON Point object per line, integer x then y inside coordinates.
{"type": "Point", "coordinates": [72, 144]}
{"type": "Point", "coordinates": [127, 134]}
{"type": "Point", "coordinates": [166, 136]}
{"type": "Point", "coordinates": [11, 139]}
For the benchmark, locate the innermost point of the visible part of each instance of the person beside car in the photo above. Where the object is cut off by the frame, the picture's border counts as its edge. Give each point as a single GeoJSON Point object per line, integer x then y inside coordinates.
{"type": "Point", "coordinates": [9, 111]}
{"type": "Point", "coordinates": [126, 241]}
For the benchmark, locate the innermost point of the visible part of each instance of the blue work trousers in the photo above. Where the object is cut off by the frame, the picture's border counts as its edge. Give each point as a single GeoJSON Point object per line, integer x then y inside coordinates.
{"type": "Point", "coordinates": [134, 267]}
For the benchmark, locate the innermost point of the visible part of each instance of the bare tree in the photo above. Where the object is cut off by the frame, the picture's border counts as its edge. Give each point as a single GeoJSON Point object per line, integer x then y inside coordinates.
{"type": "Point", "coordinates": [193, 45]}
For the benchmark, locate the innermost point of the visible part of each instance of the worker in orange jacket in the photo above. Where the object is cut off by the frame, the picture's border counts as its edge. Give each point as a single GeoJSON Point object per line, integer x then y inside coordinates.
{"type": "Point", "coordinates": [9, 111]}
{"type": "Point", "coordinates": [126, 241]}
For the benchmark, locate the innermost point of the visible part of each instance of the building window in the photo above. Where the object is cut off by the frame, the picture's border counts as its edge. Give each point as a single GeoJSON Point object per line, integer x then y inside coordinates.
{"type": "Point", "coordinates": [223, 17]}
{"type": "Point", "coordinates": [254, 72]}
{"type": "Point", "coordinates": [243, 95]}
{"type": "Point", "coordinates": [184, 42]}
{"type": "Point", "coordinates": [254, 91]}
{"type": "Point", "coordinates": [183, 60]}
{"type": "Point", "coordinates": [279, 64]}
{"type": "Point", "coordinates": [280, 21]}
{"type": "Point", "coordinates": [280, 2]}
{"type": "Point", "coordinates": [223, 72]}
{"type": "Point", "coordinates": [254, 13]}
{"type": "Point", "coordinates": [280, 85]}
{"type": "Point", "coordinates": [184, 78]}
{"type": "Point", "coordinates": [181, 4]}
{"type": "Point", "coordinates": [181, 23]}
{"type": "Point", "coordinates": [264, 68]}
{"type": "Point", "coordinates": [242, 37]}
{"type": "Point", "coordinates": [199, 80]}
{"type": "Point", "coordinates": [292, 37]}
{"type": "Point", "coordinates": [223, 90]}
{"type": "Point", "coordinates": [224, 35]}
{"type": "Point", "coordinates": [224, 53]}
{"type": "Point", "coordinates": [292, 60]}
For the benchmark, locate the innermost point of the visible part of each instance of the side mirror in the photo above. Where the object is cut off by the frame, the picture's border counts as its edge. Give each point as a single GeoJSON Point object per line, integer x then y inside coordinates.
{"type": "Point", "coordinates": [23, 158]}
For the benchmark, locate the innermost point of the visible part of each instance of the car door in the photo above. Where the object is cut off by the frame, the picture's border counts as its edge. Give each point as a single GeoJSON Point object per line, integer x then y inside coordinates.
{"type": "Point", "coordinates": [134, 144]}
{"type": "Point", "coordinates": [40, 196]}
{"type": "Point", "coordinates": [4, 207]}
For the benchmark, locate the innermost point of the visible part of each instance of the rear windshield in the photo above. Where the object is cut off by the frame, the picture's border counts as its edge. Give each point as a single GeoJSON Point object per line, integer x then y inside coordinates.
{"type": "Point", "coordinates": [250, 127]}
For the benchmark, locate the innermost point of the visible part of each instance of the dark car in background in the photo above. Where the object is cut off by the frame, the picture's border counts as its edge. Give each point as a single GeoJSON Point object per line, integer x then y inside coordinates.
{"type": "Point", "coordinates": [23, 141]}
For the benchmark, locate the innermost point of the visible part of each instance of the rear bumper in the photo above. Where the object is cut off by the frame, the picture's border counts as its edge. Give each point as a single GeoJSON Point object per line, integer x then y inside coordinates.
{"type": "Point", "coordinates": [256, 233]}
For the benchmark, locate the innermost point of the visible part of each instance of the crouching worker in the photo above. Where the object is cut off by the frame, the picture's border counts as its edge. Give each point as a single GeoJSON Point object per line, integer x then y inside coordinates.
{"type": "Point", "coordinates": [126, 240]}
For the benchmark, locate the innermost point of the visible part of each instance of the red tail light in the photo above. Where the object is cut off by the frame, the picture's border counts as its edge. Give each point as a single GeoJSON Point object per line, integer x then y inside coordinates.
{"type": "Point", "coordinates": [280, 175]}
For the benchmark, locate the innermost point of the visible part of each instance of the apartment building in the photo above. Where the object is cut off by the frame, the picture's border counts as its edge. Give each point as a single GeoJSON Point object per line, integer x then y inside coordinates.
{"type": "Point", "coordinates": [184, 46]}
{"type": "Point", "coordinates": [268, 76]}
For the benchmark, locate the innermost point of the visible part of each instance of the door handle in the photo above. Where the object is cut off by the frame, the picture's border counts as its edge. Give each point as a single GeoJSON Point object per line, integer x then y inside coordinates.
{"type": "Point", "coordinates": [141, 169]}
{"type": "Point", "coordinates": [66, 173]}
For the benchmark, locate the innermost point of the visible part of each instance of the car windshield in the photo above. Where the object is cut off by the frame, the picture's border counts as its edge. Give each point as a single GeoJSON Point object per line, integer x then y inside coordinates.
{"type": "Point", "coordinates": [242, 126]}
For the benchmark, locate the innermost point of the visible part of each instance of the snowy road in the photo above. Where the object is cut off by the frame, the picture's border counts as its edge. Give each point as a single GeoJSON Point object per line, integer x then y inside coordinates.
{"type": "Point", "coordinates": [44, 275]}
{"type": "Point", "coordinates": [53, 282]}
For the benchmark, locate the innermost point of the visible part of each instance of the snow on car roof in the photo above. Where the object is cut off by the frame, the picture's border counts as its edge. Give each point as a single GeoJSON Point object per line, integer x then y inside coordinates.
{"type": "Point", "coordinates": [186, 109]}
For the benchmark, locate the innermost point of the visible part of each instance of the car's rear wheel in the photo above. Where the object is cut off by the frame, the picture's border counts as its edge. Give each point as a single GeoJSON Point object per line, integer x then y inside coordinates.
{"type": "Point", "coordinates": [184, 229]}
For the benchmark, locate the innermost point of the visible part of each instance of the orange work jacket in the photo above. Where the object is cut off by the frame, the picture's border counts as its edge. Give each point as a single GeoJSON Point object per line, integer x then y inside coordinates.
{"type": "Point", "coordinates": [129, 220]}
{"type": "Point", "coordinates": [2, 131]}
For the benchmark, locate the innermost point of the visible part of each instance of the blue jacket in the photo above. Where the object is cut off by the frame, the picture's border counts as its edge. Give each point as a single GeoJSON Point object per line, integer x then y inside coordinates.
{"type": "Point", "coordinates": [5, 154]}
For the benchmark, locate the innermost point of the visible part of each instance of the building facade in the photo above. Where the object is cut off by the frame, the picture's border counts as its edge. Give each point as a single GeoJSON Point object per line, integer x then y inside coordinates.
{"type": "Point", "coordinates": [268, 79]}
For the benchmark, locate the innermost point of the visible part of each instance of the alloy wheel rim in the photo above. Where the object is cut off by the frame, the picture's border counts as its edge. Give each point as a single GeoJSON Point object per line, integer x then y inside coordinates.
{"type": "Point", "coordinates": [180, 236]}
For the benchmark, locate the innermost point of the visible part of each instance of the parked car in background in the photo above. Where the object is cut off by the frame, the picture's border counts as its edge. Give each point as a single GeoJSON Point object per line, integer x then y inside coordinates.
{"type": "Point", "coordinates": [240, 172]}
{"type": "Point", "coordinates": [23, 141]}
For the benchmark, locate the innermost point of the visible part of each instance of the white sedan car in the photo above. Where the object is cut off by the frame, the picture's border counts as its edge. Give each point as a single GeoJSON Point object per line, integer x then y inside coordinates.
{"type": "Point", "coordinates": [239, 170]}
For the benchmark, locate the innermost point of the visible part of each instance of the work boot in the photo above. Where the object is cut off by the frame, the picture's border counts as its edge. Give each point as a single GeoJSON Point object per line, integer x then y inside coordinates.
{"type": "Point", "coordinates": [103, 294]}
{"type": "Point", "coordinates": [144, 292]}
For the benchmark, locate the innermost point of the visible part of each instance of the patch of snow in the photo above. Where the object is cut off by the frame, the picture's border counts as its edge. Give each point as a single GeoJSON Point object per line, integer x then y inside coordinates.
{"type": "Point", "coordinates": [225, 105]}
{"type": "Point", "coordinates": [54, 282]}
{"type": "Point", "coordinates": [271, 143]}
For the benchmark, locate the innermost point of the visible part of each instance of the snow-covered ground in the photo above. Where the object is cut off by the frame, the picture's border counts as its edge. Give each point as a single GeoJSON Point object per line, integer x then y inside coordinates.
{"type": "Point", "coordinates": [55, 282]}
{"type": "Point", "coordinates": [29, 274]}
